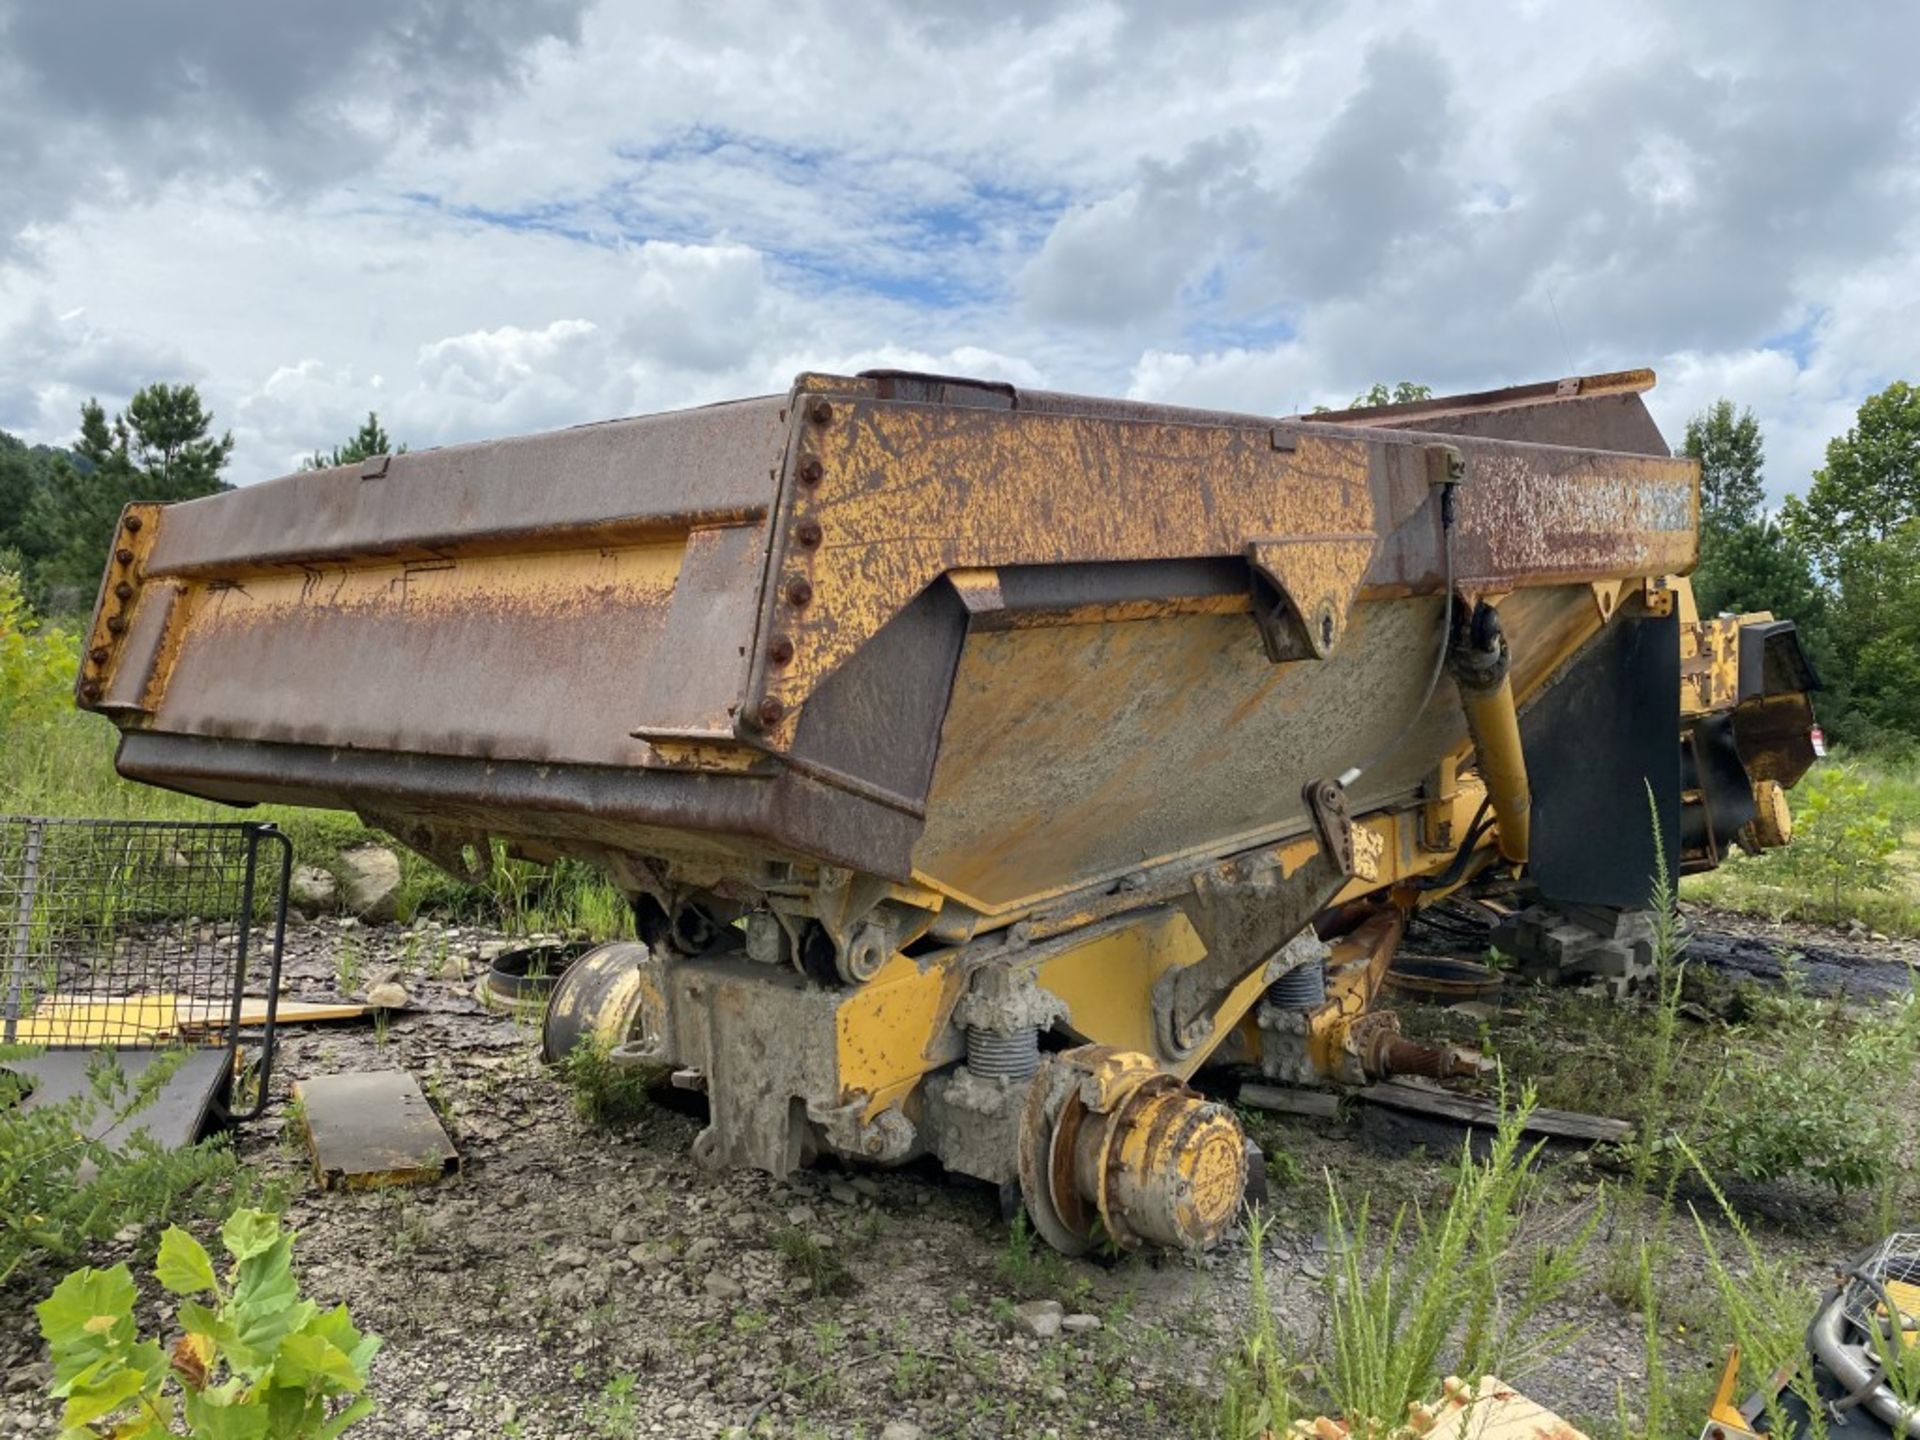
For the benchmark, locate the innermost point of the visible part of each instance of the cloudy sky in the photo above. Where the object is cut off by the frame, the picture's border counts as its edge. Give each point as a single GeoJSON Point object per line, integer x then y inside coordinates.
{"type": "Point", "coordinates": [490, 216]}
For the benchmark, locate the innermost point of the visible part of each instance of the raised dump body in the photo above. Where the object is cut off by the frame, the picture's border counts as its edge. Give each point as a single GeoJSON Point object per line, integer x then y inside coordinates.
{"type": "Point", "coordinates": [934, 725]}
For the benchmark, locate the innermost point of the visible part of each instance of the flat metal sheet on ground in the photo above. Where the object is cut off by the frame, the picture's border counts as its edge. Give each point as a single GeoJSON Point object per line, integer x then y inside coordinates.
{"type": "Point", "coordinates": [371, 1130]}
{"type": "Point", "coordinates": [180, 1112]}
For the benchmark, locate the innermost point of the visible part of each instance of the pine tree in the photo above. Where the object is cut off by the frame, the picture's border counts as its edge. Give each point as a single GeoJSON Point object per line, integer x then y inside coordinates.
{"type": "Point", "coordinates": [156, 449]}
{"type": "Point", "coordinates": [370, 439]}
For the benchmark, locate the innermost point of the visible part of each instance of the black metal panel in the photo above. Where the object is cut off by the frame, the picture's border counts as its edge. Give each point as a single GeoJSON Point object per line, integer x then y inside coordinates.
{"type": "Point", "coordinates": [877, 718]}
{"type": "Point", "coordinates": [1772, 661]}
{"type": "Point", "coordinates": [1711, 764]}
{"type": "Point", "coordinates": [1596, 741]}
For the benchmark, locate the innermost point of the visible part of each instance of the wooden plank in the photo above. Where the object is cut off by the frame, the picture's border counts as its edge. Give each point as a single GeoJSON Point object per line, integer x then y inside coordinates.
{"type": "Point", "coordinates": [1470, 1110]}
{"type": "Point", "coordinates": [1320, 1104]}
{"type": "Point", "coordinates": [146, 1019]}
{"type": "Point", "coordinates": [60, 1020]}
{"type": "Point", "coordinates": [253, 1011]}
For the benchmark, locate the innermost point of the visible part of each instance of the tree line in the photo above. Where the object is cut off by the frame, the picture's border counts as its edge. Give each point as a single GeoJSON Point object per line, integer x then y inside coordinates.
{"type": "Point", "coordinates": [59, 505]}
{"type": "Point", "coordinates": [1843, 559]}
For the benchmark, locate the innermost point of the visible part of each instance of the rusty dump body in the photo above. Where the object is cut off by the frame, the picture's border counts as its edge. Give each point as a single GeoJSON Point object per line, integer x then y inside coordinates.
{"type": "Point", "coordinates": [925, 718]}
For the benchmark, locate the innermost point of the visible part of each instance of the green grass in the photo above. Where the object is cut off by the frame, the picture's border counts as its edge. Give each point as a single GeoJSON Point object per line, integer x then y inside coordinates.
{"type": "Point", "coordinates": [1775, 884]}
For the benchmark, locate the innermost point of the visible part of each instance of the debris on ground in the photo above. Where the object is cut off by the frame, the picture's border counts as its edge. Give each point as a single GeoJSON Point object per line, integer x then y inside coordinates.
{"type": "Point", "coordinates": [368, 1131]}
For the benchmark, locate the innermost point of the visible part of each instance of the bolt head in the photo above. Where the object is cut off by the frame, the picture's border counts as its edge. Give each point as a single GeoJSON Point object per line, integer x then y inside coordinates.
{"type": "Point", "coordinates": [807, 532]}
{"type": "Point", "coordinates": [98, 654]}
{"type": "Point", "coordinates": [116, 624]}
{"type": "Point", "coordinates": [820, 411]}
{"type": "Point", "coordinates": [123, 590]}
{"type": "Point", "coordinates": [800, 592]}
{"type": "Point", "coordinates": [91, 689]}
{"type": "Point", "coordinates": [771, 712]}
{"type": "Point", "coordinates": [123, 555]}
{"type": "Point", "coordinates": [811, 470]}
{"type": "Point", "coordinates": [781, 650]}
{"type": "Point", "coordinates": [133, 524]}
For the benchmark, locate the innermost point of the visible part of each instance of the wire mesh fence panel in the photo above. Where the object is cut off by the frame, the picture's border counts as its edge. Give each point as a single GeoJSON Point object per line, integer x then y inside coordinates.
{"type": "Point", "coordinates": [130, 934]}
{"type": "Point", "coordinates": [1888, 1276]}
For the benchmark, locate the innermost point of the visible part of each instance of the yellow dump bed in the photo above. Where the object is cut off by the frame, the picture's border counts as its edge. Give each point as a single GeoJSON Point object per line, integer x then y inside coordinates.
{"type": "Point", "coordinates": [999, 644]}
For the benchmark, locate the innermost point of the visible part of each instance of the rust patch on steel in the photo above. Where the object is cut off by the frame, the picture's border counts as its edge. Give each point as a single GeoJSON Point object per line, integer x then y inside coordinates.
{"type": "Point", "coordinates": [903, 493]}
{"type": "Point", "coordinates": [422, 658]}
{"type": "Point", "coordinates": [113, 611]}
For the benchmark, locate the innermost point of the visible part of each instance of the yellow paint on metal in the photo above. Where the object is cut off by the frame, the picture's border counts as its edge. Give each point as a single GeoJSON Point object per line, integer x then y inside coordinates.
{"type": "Point", "coordinates": [119, 595]}
{"type": "Point", "coordinates": [1772, 823]}
{"type": "Point", "coordinates": [936, 489]}
{"type": "Point", "coordinates": [557, 579]}
{"type": "Point", "coordinates": [885, 1029]}
{"type": "Point", "coordinates": [1176, 1170]}
{"type": "Point", "coordinates": [701, 755]}
{"type": "Point", "coordinates": [1906, 1298]}
{"type": "Point", "coordinates": [1724, 1409]}
{"type": "Point", "coordinates": [1502, 764]}
{"type": "Point", "coordinates": [1355, 973]}
{"type": "Point", "coordinates": [1106, 981]}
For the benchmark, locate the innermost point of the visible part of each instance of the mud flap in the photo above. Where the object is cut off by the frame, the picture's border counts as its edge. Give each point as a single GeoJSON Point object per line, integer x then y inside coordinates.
{"type": "Point", "coordinates": [1596, 741]}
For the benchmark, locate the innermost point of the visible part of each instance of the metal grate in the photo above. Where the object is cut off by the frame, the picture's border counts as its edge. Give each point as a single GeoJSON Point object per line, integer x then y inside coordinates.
{"type": "Point", "coordinates": [131, 934]}
{"type": "Point", "coordinates": [1896, 1261]}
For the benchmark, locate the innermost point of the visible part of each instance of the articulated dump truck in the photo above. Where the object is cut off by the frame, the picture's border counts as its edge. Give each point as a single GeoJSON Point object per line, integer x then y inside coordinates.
{"type": "Point", "coordinates": [981, 762]}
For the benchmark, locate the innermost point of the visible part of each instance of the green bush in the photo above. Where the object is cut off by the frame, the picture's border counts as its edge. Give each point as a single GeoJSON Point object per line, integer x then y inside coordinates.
{"type": "Point", "coordinates": [1822, 1100]}
{"type": "Point", "coordinates": [605, 1094]}
{"type": "Point", "coordinates": [255, 1361]}
{"type": "Point", "coordinates": [1843, 840]}
{"type": "Point", "coordinates": [61, 1187]}
{"type": "Point", "coordinates": [37, 663]}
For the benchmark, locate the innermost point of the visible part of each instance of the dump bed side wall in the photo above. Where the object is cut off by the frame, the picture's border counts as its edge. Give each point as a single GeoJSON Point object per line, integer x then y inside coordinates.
{"type": "Point", "coordinates": [742, 626]}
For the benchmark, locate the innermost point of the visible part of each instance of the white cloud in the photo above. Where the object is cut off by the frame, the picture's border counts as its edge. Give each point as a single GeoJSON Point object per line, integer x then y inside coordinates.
{"type": "Point", "coordinates": [565, 213]}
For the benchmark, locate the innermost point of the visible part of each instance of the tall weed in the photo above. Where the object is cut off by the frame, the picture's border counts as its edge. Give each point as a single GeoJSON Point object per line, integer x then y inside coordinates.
{"type": "Point", "coordinates": [1462, 1278]}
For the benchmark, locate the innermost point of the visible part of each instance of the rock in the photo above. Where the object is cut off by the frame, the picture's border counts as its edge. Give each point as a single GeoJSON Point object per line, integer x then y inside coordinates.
{"type": "Point", "coordinates": [454, 967]}
{"type": "Point", "coordinates": [1080, 1324]}
{"type": "Point", "coordinates": [387, 995]}
{"type": "Point", "coordinates": [1055, 1395]}
{"type": "Point", "coordinates": [508, 1413]}
{"type": "Point", "coordinates": [842, 1193]}
{"type": "Point", "coordinates": [310, 890]}
{"type": "Point", "coordinates": [371, 881]}
{"type": "Point", "coordinates": [628, 1232]}
{"type": "Point", "coordinates": [902, 1430]}
{"type": "Point", "coordinates": [866, 1185]}
{"type": "Point", "coordinates": [722, 1287]}
{"type": "Point", "coordinates": [702, 1247]}
{"type": "Point", "coordinates": [34, 1378]}
{"type": "Point", "coordinates": [800, 1215]}
{"type": "Point", "coordinates": [1039, 1318]}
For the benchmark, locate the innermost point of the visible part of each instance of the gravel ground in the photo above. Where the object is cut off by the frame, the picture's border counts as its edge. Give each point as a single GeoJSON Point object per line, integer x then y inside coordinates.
{"type": "Point", "coordinates": [571, 1282]}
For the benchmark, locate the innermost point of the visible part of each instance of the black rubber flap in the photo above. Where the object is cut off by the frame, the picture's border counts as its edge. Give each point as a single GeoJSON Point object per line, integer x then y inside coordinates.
{"type": "Point", "coordinates": [1595, 742]}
